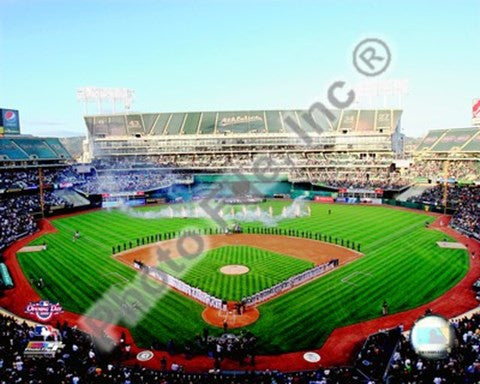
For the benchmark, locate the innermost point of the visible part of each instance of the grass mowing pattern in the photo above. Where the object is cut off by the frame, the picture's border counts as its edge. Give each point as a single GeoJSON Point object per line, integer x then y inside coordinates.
{"type": "Point", "coordinates": [266, 269]}
{"type": "Point", "coordinates": [406, 267]}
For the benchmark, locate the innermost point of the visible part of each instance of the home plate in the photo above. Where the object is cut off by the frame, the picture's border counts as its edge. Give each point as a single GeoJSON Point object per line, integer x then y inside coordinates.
{"type": "Point", "coordinates": [447, 244]}
{"type": "Point", "coordinates": [311, 357]}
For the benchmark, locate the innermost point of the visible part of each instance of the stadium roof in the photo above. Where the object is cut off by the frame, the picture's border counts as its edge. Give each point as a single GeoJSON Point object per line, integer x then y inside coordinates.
{"type": "Point", "coordinates": [241, 122]}
{"type": "Point", "coordinates": [27, 148]}
{"type": "Point", "coordinates": [451, 140]}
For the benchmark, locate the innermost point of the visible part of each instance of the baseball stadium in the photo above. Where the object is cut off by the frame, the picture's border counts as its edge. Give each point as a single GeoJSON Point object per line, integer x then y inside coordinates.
{"type": "Point", "coordinates": [224, 245]}
{"type": "Point", "coordinates": [215, 248]}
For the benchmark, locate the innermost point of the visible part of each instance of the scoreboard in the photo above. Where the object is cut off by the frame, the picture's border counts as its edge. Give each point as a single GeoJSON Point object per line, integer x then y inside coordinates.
{"type": "Point", "coordinates": [114, 200]}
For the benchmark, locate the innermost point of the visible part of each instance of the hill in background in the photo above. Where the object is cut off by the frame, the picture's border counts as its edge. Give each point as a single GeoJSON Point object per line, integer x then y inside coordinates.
{"type": "Point", "coordinates": [74, 145]}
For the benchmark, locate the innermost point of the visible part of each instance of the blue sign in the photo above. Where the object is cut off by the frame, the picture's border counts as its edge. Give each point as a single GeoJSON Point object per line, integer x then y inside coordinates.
{"type": "Point", "coordinates": [9, 122]}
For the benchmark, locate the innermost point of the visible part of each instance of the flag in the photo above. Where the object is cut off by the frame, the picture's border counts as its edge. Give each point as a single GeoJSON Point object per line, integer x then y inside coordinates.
{"type": "Point", "coordinates": [476, 108]}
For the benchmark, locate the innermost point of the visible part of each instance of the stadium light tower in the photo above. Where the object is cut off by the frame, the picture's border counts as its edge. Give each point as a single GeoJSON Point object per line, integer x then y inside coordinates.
{"type": "Point", "coordinates": [86, 95]}
{"type": "Point", "coordinates": [373, 90]}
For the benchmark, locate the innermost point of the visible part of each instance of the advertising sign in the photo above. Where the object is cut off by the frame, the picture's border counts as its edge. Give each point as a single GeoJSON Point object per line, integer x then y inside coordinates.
{"type": "Point", "coordinates": [9, 122]}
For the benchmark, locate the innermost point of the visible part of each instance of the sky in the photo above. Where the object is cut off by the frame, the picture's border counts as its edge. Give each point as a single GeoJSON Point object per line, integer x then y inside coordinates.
{"type": "Point", "coordinates": [196, 55]}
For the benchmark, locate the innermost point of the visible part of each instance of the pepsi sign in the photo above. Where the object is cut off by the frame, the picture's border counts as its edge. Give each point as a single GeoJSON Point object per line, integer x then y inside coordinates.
{"type": "Point", "coordinates": [9, 122]}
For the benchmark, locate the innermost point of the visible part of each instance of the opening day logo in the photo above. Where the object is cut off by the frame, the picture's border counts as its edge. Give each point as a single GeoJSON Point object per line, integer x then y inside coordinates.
{"type": "Point", "coordinates": [43, 310]}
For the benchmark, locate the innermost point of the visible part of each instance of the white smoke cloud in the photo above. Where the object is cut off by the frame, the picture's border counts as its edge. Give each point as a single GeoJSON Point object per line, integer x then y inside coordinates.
{"type": "Point", "coordinates": [298, 208]}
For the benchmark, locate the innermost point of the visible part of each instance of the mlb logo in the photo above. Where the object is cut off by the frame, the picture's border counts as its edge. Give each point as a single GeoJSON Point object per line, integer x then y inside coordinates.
{"type": "Point", "coordinates": [45, 331]}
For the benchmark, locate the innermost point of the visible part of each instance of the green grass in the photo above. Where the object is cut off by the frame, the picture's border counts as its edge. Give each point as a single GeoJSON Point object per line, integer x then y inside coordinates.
{"type": "Point", "coordinates": [402, 264]}
{"type": "Point", "coordinates": [266, 269]}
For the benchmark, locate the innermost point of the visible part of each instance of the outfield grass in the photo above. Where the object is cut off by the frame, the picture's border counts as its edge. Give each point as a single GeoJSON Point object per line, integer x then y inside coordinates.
{"type": "Point", "coordinates": [266, 269]}
{"type": "Point", "coordinates": [402, 265]}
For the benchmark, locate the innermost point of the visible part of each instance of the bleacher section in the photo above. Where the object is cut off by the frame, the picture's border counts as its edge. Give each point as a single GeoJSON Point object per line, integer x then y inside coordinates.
{"type": "Point", "coordinates": [454, 139]}
{"type": "Point", "coordinates": [430, 139]}
{"type": "Point", "coordinates": [207, 123]}
{"type": "Point", "coordinates": [454, 153]}
{"type": "Point", "coordinates": [11, 151]}
{"type": "Point", "coordinates": [274, 123]}
{"type": "Point", "coordinates": [448, 140]}
{"type": "Point", "coordinates": [191, 124]}
{"type": "Point", "coordinates": [25, 148]}
{"type": "Point", "coordinates": [473, 145]}
{"type": "Point", "coordinates": [241, 122]}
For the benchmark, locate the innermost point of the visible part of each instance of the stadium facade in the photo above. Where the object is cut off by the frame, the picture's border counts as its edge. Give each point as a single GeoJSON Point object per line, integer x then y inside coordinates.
{"type": "Point", "coordinates": [299, 142]}
{"type": "Point", "coordinates": [174, 133]}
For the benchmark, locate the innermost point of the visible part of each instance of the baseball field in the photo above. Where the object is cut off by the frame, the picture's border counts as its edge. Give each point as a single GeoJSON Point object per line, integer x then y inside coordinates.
{"type": "Point", "coordinates": [265, 270]}
{"type": "Point", "coordinates": [401, 264]}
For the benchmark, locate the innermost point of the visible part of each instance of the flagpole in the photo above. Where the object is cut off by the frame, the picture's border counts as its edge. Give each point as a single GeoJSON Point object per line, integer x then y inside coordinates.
{"type": "Point", "coordinates": [40, 184]}
{"type": "Point", "coordinates": [445, 186]}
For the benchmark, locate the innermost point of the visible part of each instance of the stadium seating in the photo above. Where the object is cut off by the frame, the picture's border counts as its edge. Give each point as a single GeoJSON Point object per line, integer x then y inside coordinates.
{"type": "Point", "coordinates": [463, 200]}
{"type": "Point", "coordinates": [30, 148]}
{"type": "Point", "coordinates": [446, 140]}
{"type": "Point", "coordinates": [160, 124]}
{"type": "Point", "coordinates": [454, 138]}
{"type": "Point", "coordinates": [207, 124]}
{"type": "Point", "coordinates": [36, 148]}
{"type": "Point", "coordinates": [274, 123]}
{"type": "Point", "coordinates": [175, 124]}
{"type": "Point", "coordinates": [191, 123]}
{"type": "Point", "coordinates": [243, 122]}
{"type": "Point", "coordinates": [80, 361]}
{"type": "Point", "coordinates": [431, 138]}
{"type": "Point", "coordinates": [473, 145]}
{"type": "Point", "coordinates": [58, 148]}
{"type": "Point", "coordinates": [11, 151]}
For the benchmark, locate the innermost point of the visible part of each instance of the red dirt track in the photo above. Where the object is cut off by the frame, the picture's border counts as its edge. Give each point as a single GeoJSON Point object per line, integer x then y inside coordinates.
{"type": "Point", "coordinates": [339, 349]}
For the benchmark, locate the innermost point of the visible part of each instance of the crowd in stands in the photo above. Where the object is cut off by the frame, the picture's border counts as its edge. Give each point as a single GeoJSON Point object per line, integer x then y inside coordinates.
{"type": "Point", "coordinates": [16, 218]}
{"type": "Point", "coordinates": [386, 356]}
{"type": "Point", "coordinates": [464, 200]}
{"type": "Point", "coordinates": [25, 179]}
{"type": "Point", "coordinates": [143, 173]}
{"type": "Point", "coordinates": [467, 216]}
{"type": "Point", "coordinates": [360, 179]}
{"type": "Point", "coordinates": [79, 361]}
{"type": "Point", "coordinates": [374, 357]}
{"type": "Point", "coordinates": [461, 367]}
{"type": "Point", "coordinates": [348, 171]}
{"type": "Point", "coordinates": [124, 177]}
{"type": "Point", "coordinates": [132, 181]}
{"type": "Point", "coordinates": [465, 170]}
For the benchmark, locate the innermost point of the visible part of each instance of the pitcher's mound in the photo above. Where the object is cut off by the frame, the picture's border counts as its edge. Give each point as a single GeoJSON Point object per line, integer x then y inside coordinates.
{"type": "Point", "coordinates": [234, 269]}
